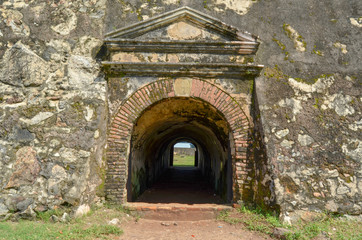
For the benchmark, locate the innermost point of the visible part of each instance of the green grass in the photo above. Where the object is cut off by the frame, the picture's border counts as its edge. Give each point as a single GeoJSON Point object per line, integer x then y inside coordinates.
{"type": "Point", "coordinates": [331, 226]}
{"type": "Point", "coordinates": [40, 230]}
{"type": "Point", "coordinates": [45, 216]}
{"type": "Point", "coordinates": [91, 226]}
{"type": "Point", "coordinates": [252, 219]}
{"type": "Point", "coordinates": [183, 161]}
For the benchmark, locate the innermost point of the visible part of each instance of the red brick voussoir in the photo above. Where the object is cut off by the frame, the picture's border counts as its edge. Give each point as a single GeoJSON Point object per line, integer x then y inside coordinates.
{"type": "Point", "coordinates": [121, 127]}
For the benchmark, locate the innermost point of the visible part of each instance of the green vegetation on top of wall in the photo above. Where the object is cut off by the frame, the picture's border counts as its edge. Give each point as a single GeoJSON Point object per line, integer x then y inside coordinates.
{"type": "Point", "coordinates": [317, 52]}
{"type": "Point", "coordinates": [280, 44]}
{"type": "Point", "coordinates": [311, 81]}
{"type": "Point", "coordinates": [275, 73]}
{"type": "Point", "coordinates": [283, 47]}
{"type": "Point", "coordinates": [278, 74]}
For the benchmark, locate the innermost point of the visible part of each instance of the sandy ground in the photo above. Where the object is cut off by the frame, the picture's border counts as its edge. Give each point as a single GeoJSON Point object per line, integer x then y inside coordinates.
{"type": "Point", "coordinates": [183, 230]}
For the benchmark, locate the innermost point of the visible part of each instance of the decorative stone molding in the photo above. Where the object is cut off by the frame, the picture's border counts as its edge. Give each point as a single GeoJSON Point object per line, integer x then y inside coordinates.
{"type": "Point", "coordinates": [231, 41]}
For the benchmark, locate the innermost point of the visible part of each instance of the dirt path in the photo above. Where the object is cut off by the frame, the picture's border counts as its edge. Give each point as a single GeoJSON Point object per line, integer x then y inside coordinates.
{"type": "Point", "coordinates": [184, 195]}
{"type": "Point", "coordinates": [183, 230]}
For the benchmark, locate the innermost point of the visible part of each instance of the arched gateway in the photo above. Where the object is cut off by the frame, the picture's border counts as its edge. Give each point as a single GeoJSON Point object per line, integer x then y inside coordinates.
{"type": "Point", "coordinates": [182, 70]}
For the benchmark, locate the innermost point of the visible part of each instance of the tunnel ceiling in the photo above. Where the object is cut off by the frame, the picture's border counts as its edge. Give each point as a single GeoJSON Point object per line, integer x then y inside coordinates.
{"type": "Point", "coordinates": [180, 118]}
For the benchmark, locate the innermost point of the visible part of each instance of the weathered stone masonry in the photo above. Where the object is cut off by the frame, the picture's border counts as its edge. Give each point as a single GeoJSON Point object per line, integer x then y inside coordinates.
{"type": "Point", "coordinates": [58, 100]}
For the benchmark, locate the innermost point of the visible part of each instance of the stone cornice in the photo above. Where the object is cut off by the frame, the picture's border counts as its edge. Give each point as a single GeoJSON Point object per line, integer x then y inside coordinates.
{"type": "Point", "coordinates": [208, 70]}
{"type": "Point", "coordinates": [231, 42]}
{"type": "Point", "coordinates": [186, 46]}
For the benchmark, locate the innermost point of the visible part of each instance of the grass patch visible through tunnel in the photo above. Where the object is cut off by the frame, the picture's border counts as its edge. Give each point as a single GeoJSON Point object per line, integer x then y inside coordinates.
{"type": "Point", "coordinates": [183, 161]}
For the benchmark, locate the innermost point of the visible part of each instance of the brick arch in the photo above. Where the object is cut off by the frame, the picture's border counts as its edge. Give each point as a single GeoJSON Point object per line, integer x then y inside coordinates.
{"type": "Point", "coordinates": [121, 127]}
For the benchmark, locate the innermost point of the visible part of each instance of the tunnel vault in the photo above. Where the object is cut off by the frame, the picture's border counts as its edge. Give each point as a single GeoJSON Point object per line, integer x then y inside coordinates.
{"type": "Point", "coordinates": [177, 63]}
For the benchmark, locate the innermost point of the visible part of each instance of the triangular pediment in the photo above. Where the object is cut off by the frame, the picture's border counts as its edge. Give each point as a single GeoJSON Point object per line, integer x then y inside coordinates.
{"type": "Point", "coordinates": [181, 24]}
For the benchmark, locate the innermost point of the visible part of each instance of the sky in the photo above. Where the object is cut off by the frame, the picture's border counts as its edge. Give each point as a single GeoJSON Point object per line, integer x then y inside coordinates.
{"type": "Point", "coordinates": [183, 145]}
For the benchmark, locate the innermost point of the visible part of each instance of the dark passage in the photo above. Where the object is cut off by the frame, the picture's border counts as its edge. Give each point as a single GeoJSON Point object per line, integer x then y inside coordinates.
{"type": "Point", "coordinates": [161, 173]}
{"type": "Point", "coordinates": [181, 185]}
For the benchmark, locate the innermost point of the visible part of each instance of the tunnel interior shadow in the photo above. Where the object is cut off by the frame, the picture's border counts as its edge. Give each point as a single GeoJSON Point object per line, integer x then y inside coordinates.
{"type": "Point", "coordinates": [184, 185]}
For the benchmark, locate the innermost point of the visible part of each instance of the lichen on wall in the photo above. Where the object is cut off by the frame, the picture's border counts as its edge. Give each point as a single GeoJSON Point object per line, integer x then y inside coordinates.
{"type": "Point", "coordinates": [239, 6]}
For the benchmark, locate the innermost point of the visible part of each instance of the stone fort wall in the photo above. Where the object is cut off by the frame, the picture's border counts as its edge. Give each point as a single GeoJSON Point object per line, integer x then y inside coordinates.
{"type": "Point", "coordinates": [185, 151]}
{"type": "Point", "coordinates": [55, 106]}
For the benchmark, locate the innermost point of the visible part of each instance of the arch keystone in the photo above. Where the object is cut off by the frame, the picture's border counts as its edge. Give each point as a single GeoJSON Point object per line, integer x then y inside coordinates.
{"type": "Point", "coordinates": [183, 87]}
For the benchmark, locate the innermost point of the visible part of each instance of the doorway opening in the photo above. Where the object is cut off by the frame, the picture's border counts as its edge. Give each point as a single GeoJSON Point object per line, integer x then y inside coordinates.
{"type": "Point", "coordinates": [184, 155]}
{"type": "Point", "coordinates": [156, 173]}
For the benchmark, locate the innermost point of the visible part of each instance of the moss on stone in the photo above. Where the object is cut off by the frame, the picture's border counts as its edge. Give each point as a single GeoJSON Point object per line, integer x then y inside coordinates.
{"type": "Point", "coordinates": [317, 52]}
{"type": "Point", "coordinates": [77, 106]}
{"type": "Point", "coordinates": [280, 44]}
{"type": "Point", "coordinates": [312, 81]}
{"type": "Point", "coordinates": [275, 73]}
{"type": "Point", "coordinates": [33, 110]}
{"type": "Point", "coordinates": [283, 48]}
{"type": "Point", "coordinates": [100, 189]}
{"type": "Point", "coordinates": [317, 103]}
{"type": "Point", "coordinates": [247, 60]}
{"type": "Point", "coordinates": [79, 109]}
{"type": "Point", "coordinates": [307, 81]}
{"type": "Point", "coordinates": [205, 3]}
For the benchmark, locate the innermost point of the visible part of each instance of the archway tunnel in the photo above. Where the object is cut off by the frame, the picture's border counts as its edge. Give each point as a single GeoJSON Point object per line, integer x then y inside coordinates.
{"type": "Point", "coordinates": [156, 132]}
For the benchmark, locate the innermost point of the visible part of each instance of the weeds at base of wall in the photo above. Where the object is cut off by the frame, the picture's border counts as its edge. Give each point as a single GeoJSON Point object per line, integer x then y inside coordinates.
{"type": "Point", "coordinates": [93, 225]}
{"type": "Point", "coordinates": [327, 225]}
{"type": "Point", "coordinates": [123, 210]}
{"type": "Point", "coordinates": [254, 220]}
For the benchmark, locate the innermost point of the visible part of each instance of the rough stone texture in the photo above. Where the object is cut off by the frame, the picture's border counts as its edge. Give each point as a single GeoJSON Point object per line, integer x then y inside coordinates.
{"type": "Point", "coordinates": [53, 98]}
{"type": "Point", "coordinates": [281, 233]}
{"type": "Point", "coordinates": [22, 67]}
{"type": "Point", "coordinates": [114, 221]}
{"type": "Point", "coordinates": [26, 168]}
{"type": "Point", "coordinates": [82, 210]}
{"type": "Point", "coordinates": [52, 104]}
{"type": "Point", "coordinates": [3, 209]}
